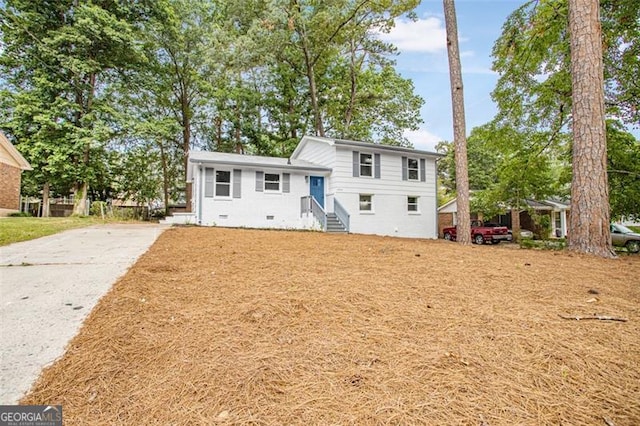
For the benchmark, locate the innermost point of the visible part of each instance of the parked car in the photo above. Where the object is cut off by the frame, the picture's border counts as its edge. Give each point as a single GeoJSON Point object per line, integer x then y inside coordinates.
{"type": "Point", "coordinates": [524, 233]}
{"type": "Point", "coordinates": [481, 233]}
{"type": "Point", "coordinates": [621, 236]}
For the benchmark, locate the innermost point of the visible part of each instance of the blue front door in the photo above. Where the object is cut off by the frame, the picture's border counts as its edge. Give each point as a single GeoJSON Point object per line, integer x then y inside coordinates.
{"type": "Point", "coordinates": [316, 184]}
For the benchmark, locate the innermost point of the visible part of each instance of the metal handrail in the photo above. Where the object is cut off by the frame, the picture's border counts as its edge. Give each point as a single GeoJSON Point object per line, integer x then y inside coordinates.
{"type": "Point", "coordinates": [308, 204]}
{"type": "Point", "coordinates": [341, 213]}
{"type": "Point", "coordinates": [305, 205]}
{"type": "Point", "coordinates": [319, 213]}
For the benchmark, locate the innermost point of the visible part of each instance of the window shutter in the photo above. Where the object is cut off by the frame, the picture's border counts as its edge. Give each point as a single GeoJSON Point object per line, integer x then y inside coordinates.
{"type": "Point", "coordinates": [259, 181]}
{"type": "Point", "coordinates": [237, 176]}
{"type": "Point", "coordinates": [208, 182]}
{"type": "Point", "coordinates": [356, 164]}
{"type": "Point", "coordinates": [404, 168]}
{"type": "Point", "coordinates": [376, 166]}
{"type": "Point", "coordinates": [423, 172]}
{"type": "Point", "coordinates": [286, 178]}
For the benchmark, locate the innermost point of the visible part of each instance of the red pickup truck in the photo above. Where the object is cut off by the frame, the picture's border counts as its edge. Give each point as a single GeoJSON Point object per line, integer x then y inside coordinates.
{"type": "Point", "coordinates": [481, 233]}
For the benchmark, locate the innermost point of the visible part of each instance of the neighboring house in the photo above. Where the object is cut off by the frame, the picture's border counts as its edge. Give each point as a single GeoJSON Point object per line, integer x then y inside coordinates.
{"type": "Point", "coordinates": [12, 163]}
{"type": "Point", "coordinates": [327, 184]}
{"type": "Point", "coordinates": [557, 210]}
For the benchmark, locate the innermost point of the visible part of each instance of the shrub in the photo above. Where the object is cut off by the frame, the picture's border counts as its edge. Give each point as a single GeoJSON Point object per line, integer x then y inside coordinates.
{"type": "Point", "coordinates": [559, 244]}
{"type": "Point", "coordinates": [98, 208]}
{"type": "Point", "coordinates": [20, 214]}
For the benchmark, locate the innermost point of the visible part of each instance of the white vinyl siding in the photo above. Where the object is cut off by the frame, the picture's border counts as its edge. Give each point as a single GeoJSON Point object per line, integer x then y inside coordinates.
{"type": "Point", "coordinates": [391, 215]}
{"type": "Point", "coordinates": [256, 208]}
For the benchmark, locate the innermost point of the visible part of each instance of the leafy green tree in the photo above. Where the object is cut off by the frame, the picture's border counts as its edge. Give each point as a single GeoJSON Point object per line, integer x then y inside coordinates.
{"type": "Point", "coordinates": [182, 50]}
{"type": "Point", "coordinates": [532, 56]}
{"type": "Point", "coordinates": [335, 70]}
{"type": "Point", "coordinates": [535, 90]}
{"type": "Point", "coordinates": [506, 167]}
{"type": "Point", "coordinates": [623, 167]}
{"type": "Point", "coordinates": [66, 51]}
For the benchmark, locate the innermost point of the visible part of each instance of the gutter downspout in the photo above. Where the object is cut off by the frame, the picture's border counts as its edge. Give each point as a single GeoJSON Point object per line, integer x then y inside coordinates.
{"type": "Point", "coordinates": [435, 184]}
{"type": "Point", "coordinates": [199, 189]}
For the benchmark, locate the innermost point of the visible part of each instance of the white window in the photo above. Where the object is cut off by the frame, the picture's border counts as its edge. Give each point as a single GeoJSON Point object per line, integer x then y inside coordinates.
{"type": "Point", "coordinates": [366, 164]}
{"type": "Point", "coordinates": [223, 183]}
{"type": "Point", "coordinates": [413, 169]}
{"type": "Point", "coordinates": [271, 182]}
{"type": "Point", "coordinates": [412, 204]}
{"type": "Point", "coordinates": [366, 203]}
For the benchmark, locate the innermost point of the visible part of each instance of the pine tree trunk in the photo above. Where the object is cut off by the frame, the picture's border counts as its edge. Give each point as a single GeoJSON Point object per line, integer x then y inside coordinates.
{"type": "Point", "coordinates": [589, 227]}
{"type": "Point", "coordinates": [459, 128]}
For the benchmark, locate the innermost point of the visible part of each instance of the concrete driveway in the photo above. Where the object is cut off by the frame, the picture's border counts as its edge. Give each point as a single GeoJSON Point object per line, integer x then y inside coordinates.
{"type": "Point", "coordinates": [49, 286]}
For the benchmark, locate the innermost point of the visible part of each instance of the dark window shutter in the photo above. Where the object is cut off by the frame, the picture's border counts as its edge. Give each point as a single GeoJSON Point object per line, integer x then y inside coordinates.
{"type": "Point", "coordinates": [208, 182]}
{"type": "Point", "coordinates": [259, 181]}
{"type": "Point", "coordinates": [237, 176]}
{"type": "Point", "coordinates": [286, 178]}
{"type": "Point", "coordinates": [356, 164]}
{"type": "Point", "coordinates": [404, 168]}
{"type": "Point", "coordinates": [376, 166]}
{"type": "Point", "coordinates": [423, 171]}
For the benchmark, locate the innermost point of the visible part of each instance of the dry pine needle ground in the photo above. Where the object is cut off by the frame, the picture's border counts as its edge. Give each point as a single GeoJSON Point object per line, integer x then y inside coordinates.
{"type": "Point", "coordinates": [224, 326]}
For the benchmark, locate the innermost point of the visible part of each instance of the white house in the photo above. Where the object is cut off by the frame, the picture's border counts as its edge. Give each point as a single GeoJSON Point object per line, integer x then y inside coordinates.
{"type": "Point", "coordinates": [327, 184]}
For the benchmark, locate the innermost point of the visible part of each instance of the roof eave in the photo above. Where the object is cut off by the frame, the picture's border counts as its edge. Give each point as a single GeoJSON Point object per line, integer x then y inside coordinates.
{"type": "Point", "coordinates": [345, 142]}
{"type": "Point", "coordinates": [260, 165]}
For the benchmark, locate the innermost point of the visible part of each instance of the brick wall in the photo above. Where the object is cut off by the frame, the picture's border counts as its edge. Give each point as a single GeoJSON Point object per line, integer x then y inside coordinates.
{"type": "Point", "coordinates": [445, 220]}
{"type": "Point", "coordinates": [9, 187]}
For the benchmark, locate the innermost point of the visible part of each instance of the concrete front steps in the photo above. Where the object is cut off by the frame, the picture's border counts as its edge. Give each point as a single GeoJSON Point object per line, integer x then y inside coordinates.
{"type": "Point", "coordinates": [334, 225]}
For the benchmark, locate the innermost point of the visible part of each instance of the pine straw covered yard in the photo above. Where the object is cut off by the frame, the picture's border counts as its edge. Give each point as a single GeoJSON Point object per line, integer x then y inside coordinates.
{"type": "Point", "coordinates": [269, 327]}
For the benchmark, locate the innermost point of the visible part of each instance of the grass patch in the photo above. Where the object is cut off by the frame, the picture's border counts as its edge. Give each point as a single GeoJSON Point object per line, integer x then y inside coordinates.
{"type": "Point", "coordinates": [16, 229]}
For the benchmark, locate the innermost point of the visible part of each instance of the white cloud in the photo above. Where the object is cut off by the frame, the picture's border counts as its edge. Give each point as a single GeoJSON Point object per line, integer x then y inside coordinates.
{"type": "Point", "coordinates": [424, 35]}
{"type": "Point", "coordinates": [423, 139]}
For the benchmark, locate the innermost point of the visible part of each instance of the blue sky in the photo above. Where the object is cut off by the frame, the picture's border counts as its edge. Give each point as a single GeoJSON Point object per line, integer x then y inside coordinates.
{"type": "Point", "coordinates": [423, 59]}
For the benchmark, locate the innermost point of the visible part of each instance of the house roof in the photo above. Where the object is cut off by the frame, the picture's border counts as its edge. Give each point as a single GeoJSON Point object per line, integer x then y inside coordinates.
{"type": "Point", "coordinates": [254, 161]}
{"type": "Point", "coordinates": [549, 204]}
{"type": "Point", "coordinates": [447, 204]}
{"type": "Point", "coordinates": [10, 155]}
{"type": "Point", "coordinates": [368, 145]}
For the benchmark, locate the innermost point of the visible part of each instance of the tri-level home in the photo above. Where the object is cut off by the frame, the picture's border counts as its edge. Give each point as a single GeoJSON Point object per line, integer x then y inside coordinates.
{"type": "Point", "coordinates": [327, 184]}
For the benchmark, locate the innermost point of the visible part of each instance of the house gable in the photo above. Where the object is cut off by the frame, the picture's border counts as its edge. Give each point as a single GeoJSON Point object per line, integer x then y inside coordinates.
{"type": "Point", "coordinates": [9, 155]}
